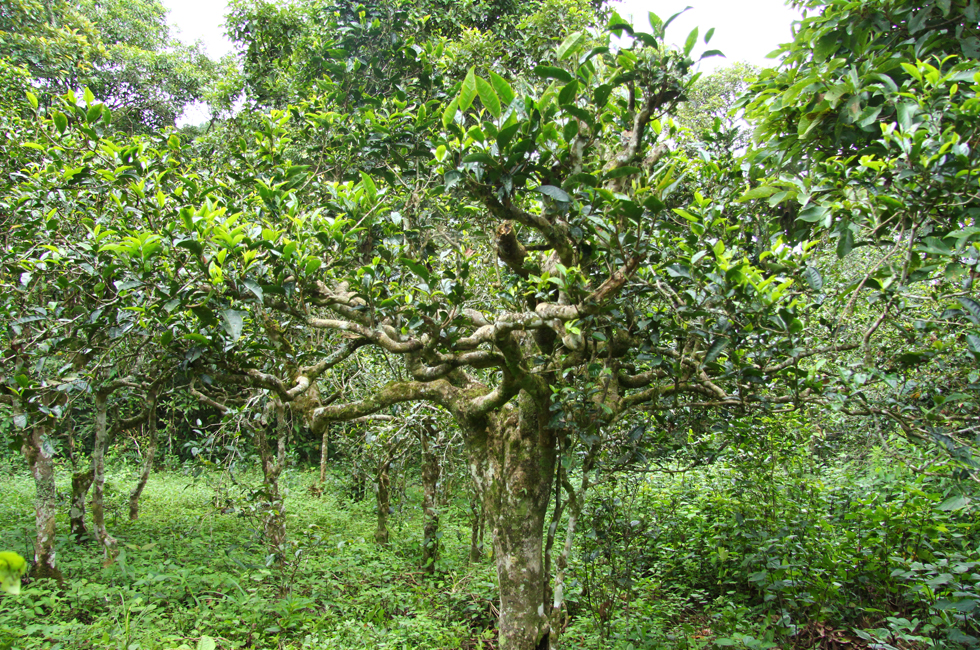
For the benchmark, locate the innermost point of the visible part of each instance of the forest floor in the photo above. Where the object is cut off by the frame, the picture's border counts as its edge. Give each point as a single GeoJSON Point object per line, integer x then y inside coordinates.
{"type": "Point", "coordinates": [192, 566]}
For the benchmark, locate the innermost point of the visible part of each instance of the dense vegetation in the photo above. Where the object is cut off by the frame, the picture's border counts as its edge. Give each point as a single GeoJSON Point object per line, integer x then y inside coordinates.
{"type": "Point", "coordinates": [488, 324]}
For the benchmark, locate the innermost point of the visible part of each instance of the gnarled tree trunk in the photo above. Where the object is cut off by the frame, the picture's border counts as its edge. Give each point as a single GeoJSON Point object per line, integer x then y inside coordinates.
{"type": "Point", "coordinates": [513, 464]}
{"type": "Point", "coordinates": [40, 458]}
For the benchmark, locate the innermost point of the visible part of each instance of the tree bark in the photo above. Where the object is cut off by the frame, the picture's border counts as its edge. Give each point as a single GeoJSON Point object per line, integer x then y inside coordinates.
{"type": "Point", "coordinates": [148, 456]}
{"type": "Point", "coordinates": [384, 501]}
{"type": "Point", "coordinates": [81, 482]}
{"type": "Point", "coordinates": [477, 527]}
{"type": "Point", "coordinates": [431, 471]}
{"type": "Point", "coordinates": [323, 457]}
{"type": "Point", "coordinates": [106, 541]}
{"type": "Point", "coordinates": [40, 458]}
{"type": "Point", "coordinates": [513, 463]}
{"type": "Point", "coordinates": [274, 515]}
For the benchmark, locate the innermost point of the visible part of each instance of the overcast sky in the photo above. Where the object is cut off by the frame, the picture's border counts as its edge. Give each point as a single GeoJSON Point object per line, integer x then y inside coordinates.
{"type": "Point", "coordinates": [744, 31]}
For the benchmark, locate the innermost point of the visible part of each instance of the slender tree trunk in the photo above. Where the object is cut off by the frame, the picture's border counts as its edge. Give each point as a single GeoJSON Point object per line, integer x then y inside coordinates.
{"type": "Point", "coordinates": [148, 456]}
{"type": "Point", "coordinates": [40, 458]}
{"type": "Point", "coordinates": [108, 543]}
{"type": "Point", "coordinates": [384, 501]}
{"type": "Point", "coordinates": [80, 484]}
{"type": "Point", "coordinates": [514, 464]}
{"type": "Point", "coordinates": [430, 481]}
{"type": "Point", "coordinates": [274, 518]}
{"type": "Point", "coordinates": [323, 457]}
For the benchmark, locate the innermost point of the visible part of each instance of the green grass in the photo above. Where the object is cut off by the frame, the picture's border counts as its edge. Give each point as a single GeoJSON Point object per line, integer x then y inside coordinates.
{"type": "Point", "coordinates": [188, 569]}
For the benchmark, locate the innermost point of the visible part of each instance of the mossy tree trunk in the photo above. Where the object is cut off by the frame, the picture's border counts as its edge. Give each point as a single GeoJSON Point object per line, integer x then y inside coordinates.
{"type": "Point", "coordinates": [477, 528]}
{"type": "Point", "coordinates": [513, 464]}
{"type": "Point", "coordinates": [40, 458]}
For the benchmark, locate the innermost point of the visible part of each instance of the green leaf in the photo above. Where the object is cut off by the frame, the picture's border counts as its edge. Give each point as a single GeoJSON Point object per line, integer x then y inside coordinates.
{"type": "Point", "coordinates": [502, 88]}
{"type": "Point", "coordinates": [601, 95]}
{"type": "Point", "coordinates": [489, 98]}
{"type": "Point", "coordinates": [813, 213]}
{"type": "Point", "coordinates": [973, 342]}
{"type": "Point", "coordinates": [197, 338]}
{"type": "Point", "coordinates": [846, 243]}
{"type": "Point", "coordinates": [192, 245]}
{"type": "Point", "coordinates": [551, 72]}
{"type": "Point", "coordinates": [971, 47]}
{"type": "Point", "coordinates": [370, 189]}
{"type": "Point", "coordinates": [758, 193]}
{"type": "Point", "coordinates": [254, 287]}
{"type": "Point", "coordinates": [906, 112]}
{"type": "Point", "coordinates": [32, 98]}
{"type": "Point", "coordinates": [556, 193]}
{"type": "Point", "coordinates": [205, 315]}
{"type": "Point", "coordinates": [232, 322]}
{"type": "Point", "coordinates": [919, 19]}
{"type": "Point", "coordinates": [312, 264]}
{"type": "Point", "coordinates": [972, 308]}
{"type": "Point", "coordinates": [708, 35]}
{"type": "Point", "coordinates": [449, 115]}
{"type": "Point", "coordinates": [716, 349]}
{"type": "Point", "coordinates": [567, 94]}
{"type": "Point", "coordinates": [813, 278]}
{"type": "Point", "coordinates": [692, 40]}
{"type": "Point", "coordinates": [468, 92]}
{"type": "Point", "coordinates": [655, 21]}
{"type": "Point", "coordinates": [94, 113]}
{"type": "Point", "coordinates": [206, 643]}
{"type": "Point", "coordinates": [60, 121]}
{"type": "Point", "coordinates": [479, 157]}
{"type": "Point", "coordinates": [954, 503]}
{"type": "Point", "coordinates": [583, 179]}
{"type": "Point", "coordinates": [416, 268]}
{"type": "Point", "coordinates": [571, 45]}
{"type": "Point", "coordinates": [675, 16]}
{"type": "Point", "coordinates": [505, 136]}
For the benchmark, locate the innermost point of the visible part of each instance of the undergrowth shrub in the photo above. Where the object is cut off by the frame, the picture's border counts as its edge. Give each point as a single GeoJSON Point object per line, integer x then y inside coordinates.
{"type": "Point", "coordinates": [773, 545]}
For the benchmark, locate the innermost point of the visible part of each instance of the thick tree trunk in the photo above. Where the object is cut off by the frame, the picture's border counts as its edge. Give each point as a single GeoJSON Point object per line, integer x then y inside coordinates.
{"type": "Point", "coordinates": [148, 456]}
{"type": "Point", "coordinates": [513, 464]}
{"type": "Point", "coordinates": [431, 471]}
{"type": "Point", "coordinates": [106, 541]}
{"type": "Point", "coordinates": [40, 458]}
{"type": "Point", "coordinates": [477, 527]}
{"type": "Point", "coordinates": [384, 501]}
{"type": "Point", "coordinates": [80, 484]}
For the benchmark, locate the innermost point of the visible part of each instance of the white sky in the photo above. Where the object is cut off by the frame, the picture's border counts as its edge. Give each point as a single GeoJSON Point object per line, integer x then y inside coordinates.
{"type": "Point", "coordinates": [744, 31]}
